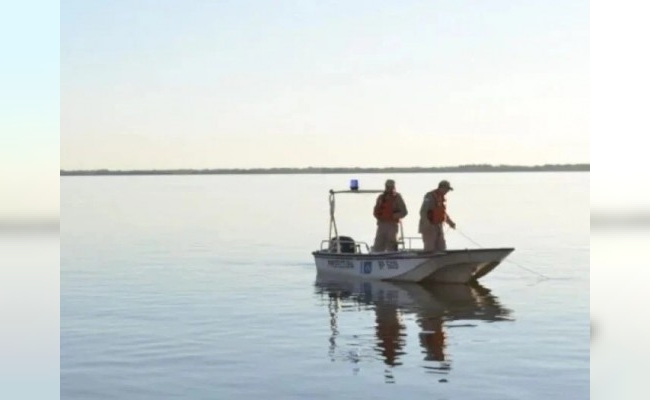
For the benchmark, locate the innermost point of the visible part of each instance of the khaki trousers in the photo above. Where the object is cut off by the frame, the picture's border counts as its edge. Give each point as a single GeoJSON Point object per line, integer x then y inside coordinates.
{"type": "Point", "coordinates": [386, 236]}
{"type": "Point", "coordinates": [433, 237]}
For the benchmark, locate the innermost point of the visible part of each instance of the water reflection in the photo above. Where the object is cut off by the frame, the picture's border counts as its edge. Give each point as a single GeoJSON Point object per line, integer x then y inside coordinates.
{"type": "Point", "coordinates": [432, 307]}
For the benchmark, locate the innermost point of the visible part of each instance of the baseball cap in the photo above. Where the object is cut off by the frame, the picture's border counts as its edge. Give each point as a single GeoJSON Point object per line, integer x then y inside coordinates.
{"type": "Point", "coordinates": [445, 184]}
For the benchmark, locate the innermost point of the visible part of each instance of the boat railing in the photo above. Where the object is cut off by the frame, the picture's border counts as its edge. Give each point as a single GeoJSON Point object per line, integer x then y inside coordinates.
{"type": "Point", "coordinates": [407, 239]}
{"type": "Point", "coordinates": [403, 244]}
{"type": "Point", "coordinates": [329, 245]}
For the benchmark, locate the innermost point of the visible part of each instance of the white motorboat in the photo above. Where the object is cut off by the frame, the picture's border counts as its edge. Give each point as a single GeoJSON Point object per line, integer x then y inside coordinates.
{"type": "Point", "coordinates": [348, 257]}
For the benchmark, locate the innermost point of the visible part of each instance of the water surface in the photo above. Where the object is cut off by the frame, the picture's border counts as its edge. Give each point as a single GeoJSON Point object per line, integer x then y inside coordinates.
{"type": "Point", "coordinates": [203, 287]}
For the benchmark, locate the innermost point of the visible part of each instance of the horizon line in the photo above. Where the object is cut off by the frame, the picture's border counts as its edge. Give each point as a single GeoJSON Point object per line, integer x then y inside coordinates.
{"type": "Point", "coordinates": [292, 170]}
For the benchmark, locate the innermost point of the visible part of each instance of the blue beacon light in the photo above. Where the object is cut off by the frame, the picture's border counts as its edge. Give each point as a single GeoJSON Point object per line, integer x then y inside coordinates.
{"type": "Point", "coordinates": [354, 184]}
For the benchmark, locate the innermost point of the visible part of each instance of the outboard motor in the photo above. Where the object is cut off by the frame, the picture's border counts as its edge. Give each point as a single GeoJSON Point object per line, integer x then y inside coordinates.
{"type": "Point", "coordinates": [347, 244]}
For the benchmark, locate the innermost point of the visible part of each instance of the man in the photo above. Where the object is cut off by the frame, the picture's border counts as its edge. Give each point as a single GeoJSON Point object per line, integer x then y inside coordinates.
{"type": "Point", "coordinates": [433, 214]}
{"type": "Point", "coordinates": [388, 210]}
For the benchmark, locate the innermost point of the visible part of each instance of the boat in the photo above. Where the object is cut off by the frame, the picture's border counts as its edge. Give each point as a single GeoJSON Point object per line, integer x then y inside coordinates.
{"type": "Point", "coordinates": [349, 257]}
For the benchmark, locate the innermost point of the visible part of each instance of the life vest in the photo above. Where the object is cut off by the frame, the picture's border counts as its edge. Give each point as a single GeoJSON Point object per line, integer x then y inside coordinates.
{"type": "Point", "coordinates": [438, 213]}
{"type": "Point", "coordinates": [385, 209]}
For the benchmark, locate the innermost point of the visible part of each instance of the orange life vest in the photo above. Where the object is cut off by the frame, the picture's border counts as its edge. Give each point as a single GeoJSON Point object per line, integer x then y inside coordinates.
{"type": "Point", "coordinates": [438, 213]}
{"type": "Point", "coordinates": [386, 207]}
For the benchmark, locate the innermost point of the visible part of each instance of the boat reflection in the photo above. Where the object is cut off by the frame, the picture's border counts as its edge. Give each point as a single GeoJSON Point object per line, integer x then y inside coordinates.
{"type": "Point", "coordinates": [432, 307]}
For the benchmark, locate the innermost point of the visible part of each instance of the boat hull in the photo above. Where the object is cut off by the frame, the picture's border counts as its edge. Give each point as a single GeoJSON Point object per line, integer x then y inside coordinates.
{"type": "Point", "coordinates": [453, 266]}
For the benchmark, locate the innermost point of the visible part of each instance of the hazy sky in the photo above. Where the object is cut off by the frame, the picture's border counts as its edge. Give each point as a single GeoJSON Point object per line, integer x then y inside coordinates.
{"type": "Point", "coordinates": [209, 84]}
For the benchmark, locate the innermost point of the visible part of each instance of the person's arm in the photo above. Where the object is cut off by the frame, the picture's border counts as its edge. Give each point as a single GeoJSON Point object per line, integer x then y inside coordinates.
{"type": "Point", "coordinates": [449, 221]}
{"type": "Point", "coordinates": [401, 208]}
{"type": "Point", "coordinates": [375, 211]}
{"type": "Point", "coordinates": [427, 204]}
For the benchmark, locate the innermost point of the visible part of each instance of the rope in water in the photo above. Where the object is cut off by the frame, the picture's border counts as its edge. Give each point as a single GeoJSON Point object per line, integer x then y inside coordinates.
{"type": "Point", "coordinates": [506, 260]}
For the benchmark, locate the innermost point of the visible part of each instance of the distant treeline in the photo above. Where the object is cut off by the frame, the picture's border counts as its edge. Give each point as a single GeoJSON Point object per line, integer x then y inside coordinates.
{"type": "Point", "coordinates": [352, 170]}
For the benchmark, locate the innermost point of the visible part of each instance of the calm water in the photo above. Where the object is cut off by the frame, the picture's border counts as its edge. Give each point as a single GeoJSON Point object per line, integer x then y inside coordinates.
{"type": "Point", "coordinates": [203, 287]}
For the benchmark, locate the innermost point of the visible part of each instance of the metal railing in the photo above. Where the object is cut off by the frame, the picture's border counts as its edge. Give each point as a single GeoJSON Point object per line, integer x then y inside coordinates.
{"type": "Point", "coordinates": [333, 245]}
{"type": "Point", "coordinates": [403, 244]}
{"type": "Point", "coordinates": [410, 240]}
{"type": "Point", "coordinates": [330, 246]}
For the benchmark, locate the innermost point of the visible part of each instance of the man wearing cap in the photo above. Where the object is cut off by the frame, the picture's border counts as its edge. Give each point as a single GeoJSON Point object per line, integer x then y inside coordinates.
{"type": "Point", "coordinates": [388, 210]}
{"type": "Point", "coordinates": [433, 214]}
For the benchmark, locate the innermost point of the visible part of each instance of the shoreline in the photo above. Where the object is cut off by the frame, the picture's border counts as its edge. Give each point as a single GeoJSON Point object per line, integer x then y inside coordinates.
{"type": "Point", "coordinates": [332, 170]}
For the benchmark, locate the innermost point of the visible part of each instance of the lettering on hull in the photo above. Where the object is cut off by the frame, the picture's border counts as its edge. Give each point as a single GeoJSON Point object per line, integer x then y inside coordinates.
{"type": "Point", "coordinates": [364, 267]}
{"type": "Point", "coordinates": [345, 264]}
{"type": "Point", "coordinates": [388, 264]}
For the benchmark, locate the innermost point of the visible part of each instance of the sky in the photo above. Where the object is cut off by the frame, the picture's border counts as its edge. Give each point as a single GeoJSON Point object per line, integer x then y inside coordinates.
{"type": "Point", "coordinates": [244, 84]}
{"type": "Point", "coordinates": [29, 109]}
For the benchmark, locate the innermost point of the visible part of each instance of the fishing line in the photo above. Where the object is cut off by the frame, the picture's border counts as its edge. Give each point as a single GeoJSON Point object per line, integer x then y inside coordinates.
{"type": "Point", "coordinates": [506, 260]}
